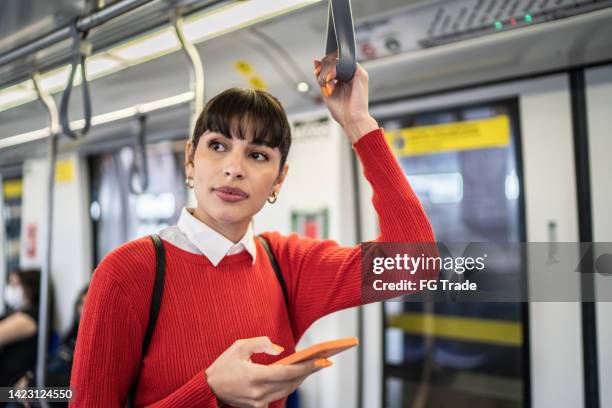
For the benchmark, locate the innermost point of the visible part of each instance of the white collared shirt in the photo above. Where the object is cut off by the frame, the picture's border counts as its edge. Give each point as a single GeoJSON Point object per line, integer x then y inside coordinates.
{"type": "Point", "coordinates": [193, 235]}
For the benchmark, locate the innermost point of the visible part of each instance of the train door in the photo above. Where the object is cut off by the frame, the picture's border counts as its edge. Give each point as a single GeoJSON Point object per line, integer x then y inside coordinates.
{"type": "Point", "coordinates": [488, 186]}
{"type": "Point", "coordinates": [598, 96]}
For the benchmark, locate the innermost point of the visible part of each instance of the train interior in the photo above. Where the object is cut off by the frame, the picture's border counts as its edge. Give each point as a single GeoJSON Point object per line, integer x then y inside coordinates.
{"type": "Point", "coordinates": [510, 106]}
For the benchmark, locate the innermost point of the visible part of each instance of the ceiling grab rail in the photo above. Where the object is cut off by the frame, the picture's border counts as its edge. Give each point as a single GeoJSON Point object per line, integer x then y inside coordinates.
{"type": "Point", "coordinates": [140, 162]}
{"type": "Point", "coordinates": [43, 311]}
{"type": "Point", "coordinates": [81, 49]}
{"type": "Point", "coordinates": [85, 23]}
{"type": "Point", "coordinates": [340, 45]}
{"type": "Point", "coordinates": [196, 71]}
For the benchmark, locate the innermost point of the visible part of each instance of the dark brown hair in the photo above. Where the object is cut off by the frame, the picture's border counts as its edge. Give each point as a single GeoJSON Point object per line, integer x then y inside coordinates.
{"type": "Point", "coordinates": [30, 281]}
{"type": "Point", "coordinates": [243, 113]}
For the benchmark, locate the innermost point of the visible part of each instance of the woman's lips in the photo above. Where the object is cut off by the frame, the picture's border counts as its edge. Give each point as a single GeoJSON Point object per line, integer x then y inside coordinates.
{"type": "Point", "coordinates": [230, 194]}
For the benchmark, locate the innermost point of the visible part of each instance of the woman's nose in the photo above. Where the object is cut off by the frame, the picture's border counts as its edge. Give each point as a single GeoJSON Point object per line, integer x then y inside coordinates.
{"type": "Point", "coordinates": [234, 167]}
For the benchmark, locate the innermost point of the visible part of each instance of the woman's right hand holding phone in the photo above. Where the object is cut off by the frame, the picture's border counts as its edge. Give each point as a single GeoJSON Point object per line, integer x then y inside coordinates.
{"type": "Point", "coordinates": [239, 382]}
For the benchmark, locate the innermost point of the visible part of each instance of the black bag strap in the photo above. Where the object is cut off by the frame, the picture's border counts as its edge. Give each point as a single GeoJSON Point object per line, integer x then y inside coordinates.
{"type": "Point", "coordinates": [277, 271]}
{"type": "Point", "coordinates": [158, 289]}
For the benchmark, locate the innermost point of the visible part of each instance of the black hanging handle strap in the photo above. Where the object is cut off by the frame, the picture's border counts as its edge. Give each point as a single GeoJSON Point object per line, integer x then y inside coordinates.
{"type": "Point", "coordinates": [140, 166]}
{"type": "Point", "coordinates": [158, 290]}
{"type": "Point", "coordinates": [341, 37]}
{"type": "Point", "coordinates": [277, 271]}
{"type": "Point", "coordinates": [80, 51]}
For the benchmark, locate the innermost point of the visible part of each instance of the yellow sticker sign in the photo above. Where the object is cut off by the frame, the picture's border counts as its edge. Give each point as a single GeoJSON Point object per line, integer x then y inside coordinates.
{"type": "Point", "coordinates": [246, 69]}
{"type": "Point", "coordinates": [12, 189]}
{"type": "Point", "coordinates": [472, 329]}
{"type": "Point", "coordinates": [64, 171]}
{"type": "Point", "coordinates": [243, 67]}
{"type": "Point", "coordinates": [466, 135]}
{"type": "Point", "coordinates": [258, 83]}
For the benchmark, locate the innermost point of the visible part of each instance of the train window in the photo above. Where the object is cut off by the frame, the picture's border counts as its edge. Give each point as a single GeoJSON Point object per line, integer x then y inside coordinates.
{"type": "Point", "coordinates": [464, 165]}
{"type": "Point", "coordinates": [121, 214]}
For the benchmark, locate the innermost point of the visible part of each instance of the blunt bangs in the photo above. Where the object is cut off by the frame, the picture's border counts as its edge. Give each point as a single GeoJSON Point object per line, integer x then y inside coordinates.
{"type": "Point", "coordinates": [246, 114]}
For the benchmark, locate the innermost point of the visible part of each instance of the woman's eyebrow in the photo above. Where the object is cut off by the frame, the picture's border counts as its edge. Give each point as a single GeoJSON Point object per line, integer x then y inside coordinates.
{"type": "Point", "coordinates": [261, 143]}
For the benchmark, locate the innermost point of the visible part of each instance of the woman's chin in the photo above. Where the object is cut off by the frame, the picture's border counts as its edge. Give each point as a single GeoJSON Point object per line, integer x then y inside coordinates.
{"type": "Point", "coordinates": [232, 217]}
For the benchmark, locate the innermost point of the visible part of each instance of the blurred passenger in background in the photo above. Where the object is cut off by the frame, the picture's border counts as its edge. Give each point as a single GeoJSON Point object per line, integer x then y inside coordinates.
{"type": "Point", "coordinates": [59, 365]}
{"type": "Point", "coordinates": [19, 326]}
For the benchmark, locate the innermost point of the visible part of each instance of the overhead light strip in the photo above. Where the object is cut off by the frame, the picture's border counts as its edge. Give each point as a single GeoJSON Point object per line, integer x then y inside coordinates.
{"type": "Point", "coordinates": [199, 27]}
{"type": "Point", "coordinates": [102, 119]}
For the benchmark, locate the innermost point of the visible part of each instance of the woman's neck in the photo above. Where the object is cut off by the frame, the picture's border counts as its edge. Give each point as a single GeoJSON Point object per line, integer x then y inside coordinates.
{"type": "Point", "coordinates": [232, 231]}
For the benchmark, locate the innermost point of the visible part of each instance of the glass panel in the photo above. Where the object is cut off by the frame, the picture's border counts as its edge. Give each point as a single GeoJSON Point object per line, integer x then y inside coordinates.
{"type": "Point", "coordinates": [465, 171]}
{"type": "Point", "coordinates": [121, 215]}
{"type": "Point", "coordinates": [12, 221]}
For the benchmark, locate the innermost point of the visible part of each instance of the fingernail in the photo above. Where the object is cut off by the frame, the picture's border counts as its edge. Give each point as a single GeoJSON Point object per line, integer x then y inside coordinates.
{"type": "Point", "coordinates": [279, 349]}
{"type": "Point", "coordinates": [322, 363]}
{"type": "Point", "coordinates": [328, 77]}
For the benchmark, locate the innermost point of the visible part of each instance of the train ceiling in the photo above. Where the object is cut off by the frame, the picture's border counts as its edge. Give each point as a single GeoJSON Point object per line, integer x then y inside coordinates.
{"type": "Point", "coordinates": [409, 48]}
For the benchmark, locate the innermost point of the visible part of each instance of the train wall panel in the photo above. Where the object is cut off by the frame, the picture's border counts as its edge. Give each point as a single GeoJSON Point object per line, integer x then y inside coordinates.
{"type": "Point", "coordinates": [72, 250]}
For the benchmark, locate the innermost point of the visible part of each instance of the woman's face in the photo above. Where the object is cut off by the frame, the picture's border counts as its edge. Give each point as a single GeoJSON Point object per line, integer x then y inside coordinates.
{"type": "Point", "coordinates": [14, 295]}
{"type": "Point", "coordinates": [232, 178]}
{"type": "Point", "coordinates": [14, 279]}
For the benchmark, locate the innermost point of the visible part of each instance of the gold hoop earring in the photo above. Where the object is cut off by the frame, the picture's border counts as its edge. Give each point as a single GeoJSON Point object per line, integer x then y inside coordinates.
{"type": "Point", "coordinates": [189, 182]}
{"type": "Point", "coordinates": [272, 199]}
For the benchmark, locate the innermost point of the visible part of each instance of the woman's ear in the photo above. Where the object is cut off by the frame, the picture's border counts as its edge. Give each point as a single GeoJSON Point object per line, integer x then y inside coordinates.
{"type": "Point", "coordinates": [281, 178]}
{"type": "Point", "coordinates": [189, 154]}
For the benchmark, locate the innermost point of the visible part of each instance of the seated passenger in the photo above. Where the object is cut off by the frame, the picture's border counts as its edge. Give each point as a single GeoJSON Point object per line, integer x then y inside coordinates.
{"type": "Point", "coordinates": [60, 363]}
{"type": "Point", "coordinates": [19, 326]}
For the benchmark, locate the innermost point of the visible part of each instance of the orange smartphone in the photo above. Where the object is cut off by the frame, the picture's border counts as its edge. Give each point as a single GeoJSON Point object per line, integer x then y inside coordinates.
{"type": "Point", "coordinates": [320, 350]}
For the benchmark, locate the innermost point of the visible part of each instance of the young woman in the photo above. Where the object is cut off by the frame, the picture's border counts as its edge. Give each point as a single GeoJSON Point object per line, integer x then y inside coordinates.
{"type": "Point", "coordinates": [223, 317]}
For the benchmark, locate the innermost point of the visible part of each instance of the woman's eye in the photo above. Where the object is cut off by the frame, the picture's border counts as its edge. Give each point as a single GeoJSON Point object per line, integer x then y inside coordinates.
{"type": "Point", "coordinates": [216, 146]}
{"type": "Point", "coordinates": [259, 156]}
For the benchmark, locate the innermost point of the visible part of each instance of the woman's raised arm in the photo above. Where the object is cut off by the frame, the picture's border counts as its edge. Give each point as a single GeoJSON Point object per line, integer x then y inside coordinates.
{"type": "Point", "coordinates": [322, 276]}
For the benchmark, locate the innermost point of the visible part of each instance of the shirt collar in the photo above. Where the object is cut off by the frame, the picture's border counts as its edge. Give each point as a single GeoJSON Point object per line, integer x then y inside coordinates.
{"type": "Point", "coordinates": [211, 243]}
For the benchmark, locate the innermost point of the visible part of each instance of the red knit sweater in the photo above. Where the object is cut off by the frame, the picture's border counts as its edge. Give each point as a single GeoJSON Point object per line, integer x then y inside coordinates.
{"type": "Point", "coordinates": [206, 308]}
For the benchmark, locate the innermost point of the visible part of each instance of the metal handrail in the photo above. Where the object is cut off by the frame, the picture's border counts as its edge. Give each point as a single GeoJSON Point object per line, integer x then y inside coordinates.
{"type": "Point", "coordinates": [83, 24]}
{"type": "Point", "coordinates": [196, 69]}
{"type": "Point", "coordinates": [43, 310]}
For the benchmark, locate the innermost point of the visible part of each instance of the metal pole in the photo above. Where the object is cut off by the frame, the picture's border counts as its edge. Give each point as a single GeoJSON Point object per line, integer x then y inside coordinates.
{"type": "Point", "coordinates": [83, 24]}
{"type": "Point", "coordinates": [43, 320]}
{"type": "Point", "coordinates": [196, 70]}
